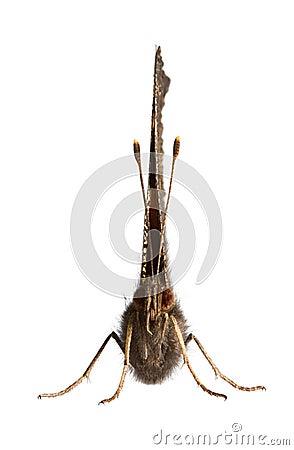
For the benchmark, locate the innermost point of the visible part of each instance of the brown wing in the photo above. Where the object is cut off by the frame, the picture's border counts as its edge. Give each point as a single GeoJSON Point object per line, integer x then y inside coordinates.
{"type": "Point", "coordinates": [155, 194]}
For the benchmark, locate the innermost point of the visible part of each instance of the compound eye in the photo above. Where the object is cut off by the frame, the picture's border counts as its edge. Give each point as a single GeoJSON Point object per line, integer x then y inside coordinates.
{"type": "Point", "coordinates": [168, 300]}
{"type": "Point", "coordinates": [139, 298]}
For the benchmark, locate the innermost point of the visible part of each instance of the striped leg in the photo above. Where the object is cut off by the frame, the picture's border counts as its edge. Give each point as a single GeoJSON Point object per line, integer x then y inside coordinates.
{"type": "Point", "coordinates": [126, 364]}
{"type": "Point", "coordinates": [217, 371]}
{"type": "Point", "coordinates": [88, 370]}
{"type": "Point", "coordinates": [186, 361]}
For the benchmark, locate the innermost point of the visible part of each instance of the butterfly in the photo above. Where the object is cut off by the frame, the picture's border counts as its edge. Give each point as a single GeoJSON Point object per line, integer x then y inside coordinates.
{"type": "Point", "coordinates": [153, 333]}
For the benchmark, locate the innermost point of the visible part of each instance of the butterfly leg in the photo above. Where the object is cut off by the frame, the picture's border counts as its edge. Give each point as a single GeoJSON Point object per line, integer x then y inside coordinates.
{"type": "Point", "coordinates": [89, 368]}
{"type": "Point", "coordinates": [126, 363]}
{"type": "Point", "coordinates": [217, 371]}
{"type": "Point", "coordinates": [186, 361]}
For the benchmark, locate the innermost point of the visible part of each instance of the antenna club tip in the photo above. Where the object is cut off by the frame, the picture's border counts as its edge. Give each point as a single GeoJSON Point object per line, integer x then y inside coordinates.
{"type": "Point", "coordinates": [176, 146]}
{"type": "Point", "coordinates": [136, 146]}
{"type": "Point", "coordinates": [137, 151]}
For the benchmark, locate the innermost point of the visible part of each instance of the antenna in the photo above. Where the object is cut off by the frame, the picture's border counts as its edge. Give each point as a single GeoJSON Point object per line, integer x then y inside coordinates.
{"type": "Point", "coordinates": [176, 150]}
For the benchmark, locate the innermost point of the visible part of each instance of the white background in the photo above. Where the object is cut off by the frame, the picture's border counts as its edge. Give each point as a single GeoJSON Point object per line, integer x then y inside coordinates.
{"type": "Point", "coordinates": [76, 87]}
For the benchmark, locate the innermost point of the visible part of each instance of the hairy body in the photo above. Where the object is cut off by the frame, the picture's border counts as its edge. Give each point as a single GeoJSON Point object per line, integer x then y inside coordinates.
{"type": "Point", "coordinates": [153, 357]}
